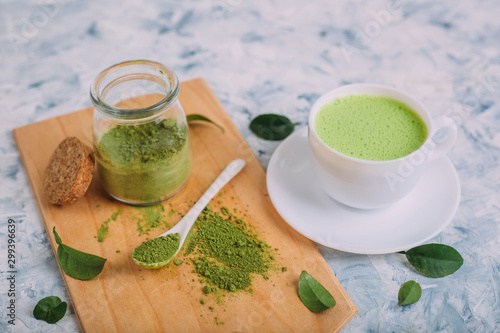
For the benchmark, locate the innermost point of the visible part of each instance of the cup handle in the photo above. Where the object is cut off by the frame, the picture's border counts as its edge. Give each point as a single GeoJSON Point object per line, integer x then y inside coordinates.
{"type": "Point", "coordinates": [442, 143]}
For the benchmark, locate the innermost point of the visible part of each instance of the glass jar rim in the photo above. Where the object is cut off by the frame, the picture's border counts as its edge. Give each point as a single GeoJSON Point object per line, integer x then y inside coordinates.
{"type": "Point", "coordinates": [166, 75]}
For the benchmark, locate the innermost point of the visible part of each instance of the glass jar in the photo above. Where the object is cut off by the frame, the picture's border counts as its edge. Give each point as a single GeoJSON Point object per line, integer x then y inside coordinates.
{"type": "Point", "coordinates": [141, 137]}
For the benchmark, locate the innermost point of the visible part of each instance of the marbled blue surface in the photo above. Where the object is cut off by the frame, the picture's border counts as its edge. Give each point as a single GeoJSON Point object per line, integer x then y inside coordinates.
{"type": "Point", "coordinates": [273, 56]}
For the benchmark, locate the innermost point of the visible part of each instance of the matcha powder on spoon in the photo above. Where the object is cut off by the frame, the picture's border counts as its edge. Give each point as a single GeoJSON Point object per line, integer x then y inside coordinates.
{"type": "Point", "coordinates": [157, 249]}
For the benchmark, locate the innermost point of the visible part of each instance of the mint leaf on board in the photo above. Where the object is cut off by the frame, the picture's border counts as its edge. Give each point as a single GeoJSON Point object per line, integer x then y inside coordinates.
{"type": "Point", "coordinates": [271, 126]}
{"type": "Point", "coordinates": [50, 309]}
{"type": "Point", "coordinates": [434, 260]}
{"type": "Point", "coordinates": [77, 264]}
{"type": "Point", "coordinates": [199, 117]}
{"type": "Point", "coordinates": [409, 293]}
{"type": "Point", "coordinates": [314, 296]}
{"type": "Point", "coordinates": [56, 237]}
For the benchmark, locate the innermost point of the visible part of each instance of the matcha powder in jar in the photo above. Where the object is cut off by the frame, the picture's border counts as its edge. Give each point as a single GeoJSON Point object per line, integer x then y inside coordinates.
{"type": "Point", "coordinates": [141, 137]}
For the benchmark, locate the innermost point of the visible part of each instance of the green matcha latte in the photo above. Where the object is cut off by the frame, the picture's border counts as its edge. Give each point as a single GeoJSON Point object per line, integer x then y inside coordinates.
{"type": "Point", "coordinates": [144, 163]}
{"type": "Point", "coordinates": [370, 127]}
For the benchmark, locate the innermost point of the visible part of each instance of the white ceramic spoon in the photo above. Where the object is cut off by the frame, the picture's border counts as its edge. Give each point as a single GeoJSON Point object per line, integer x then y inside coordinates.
{"type": "Point", "coordinates": [184, 225]}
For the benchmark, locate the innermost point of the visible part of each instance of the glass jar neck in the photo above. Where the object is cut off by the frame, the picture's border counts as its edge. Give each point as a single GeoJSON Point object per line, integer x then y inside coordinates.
{"type": "Point", "coordinates": [120, 91]}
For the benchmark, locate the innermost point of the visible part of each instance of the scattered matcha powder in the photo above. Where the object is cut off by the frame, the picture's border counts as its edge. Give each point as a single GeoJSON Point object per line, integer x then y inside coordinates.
{"type": "Point", "coordinates": [178, 262]}
{"type": "Point", "coordinates": [151, 217]}
{"type": "Point", "coordinates": [115, 215]}
{"type": "Point", "coordinates": [103, 231]}
{"type": "Point", "coordinates": [225, 253]}
{"type": "Point", "coordinates": [225, 211]}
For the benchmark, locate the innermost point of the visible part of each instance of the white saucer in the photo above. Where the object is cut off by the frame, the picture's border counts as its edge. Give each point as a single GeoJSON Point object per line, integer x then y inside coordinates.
{"type": "Point", "coordinates": [421, 215]}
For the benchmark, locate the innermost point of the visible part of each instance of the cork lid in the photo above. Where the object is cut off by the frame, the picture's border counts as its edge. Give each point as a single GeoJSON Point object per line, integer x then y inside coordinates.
{"type": "Point", "coordinates": [69, 172]}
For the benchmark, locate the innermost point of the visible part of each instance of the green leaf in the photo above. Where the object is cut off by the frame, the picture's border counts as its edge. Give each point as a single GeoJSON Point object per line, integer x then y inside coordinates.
{"type": "Point", "coordinates": [409, 293]}
{"type": "Point", "coordinates": [270, 126]}
{"type": "Point", "coordinates": [314, 296]}
{"type": "Point", "coordinates": [435, 260]}
{"type": "Point", "coordinates": [77, 264]}
{"type": "Point", "coordinates": [50, 309]}
{"type": "Point", "coordinates": [56, 236]}
{"type": "Point", "coordinates": [199, 117]}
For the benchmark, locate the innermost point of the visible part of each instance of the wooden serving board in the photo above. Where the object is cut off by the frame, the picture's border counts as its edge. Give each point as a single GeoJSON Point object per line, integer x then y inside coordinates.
{"type": "Point", "coordinates": [127, 298]}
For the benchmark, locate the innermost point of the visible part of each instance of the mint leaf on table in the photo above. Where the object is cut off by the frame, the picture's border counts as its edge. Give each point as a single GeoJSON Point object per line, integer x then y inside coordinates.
{"type": "Point", "coordinates": [409, 293]}
{"type": "Point", "coordinates": [271, 126]}
{"type": "Point", "coordinates": [199, 117]}
{"type": "Point", "coordinates": [50, 309]}
{"type": "Point", "coordinates": [434, 260]}
{"type": "Point", "coordinates": [77, 264]}
{"type": "Point", "coordinates": [314, 296]}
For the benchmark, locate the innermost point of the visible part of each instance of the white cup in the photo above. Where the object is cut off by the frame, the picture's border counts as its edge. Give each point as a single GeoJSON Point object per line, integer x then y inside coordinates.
{"type": "Point", "coordinates": [370, 184]}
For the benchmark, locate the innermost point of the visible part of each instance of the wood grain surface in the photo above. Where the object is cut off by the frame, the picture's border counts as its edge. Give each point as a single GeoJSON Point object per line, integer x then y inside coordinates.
{"type": "Point", "coordinates": [127, 298]}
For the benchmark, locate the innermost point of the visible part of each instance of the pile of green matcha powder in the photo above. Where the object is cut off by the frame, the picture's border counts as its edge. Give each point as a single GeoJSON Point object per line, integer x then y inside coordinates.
{"type": "Point", "coordinates": [145, 162]}
{"type": "Point", "coordinates": [226, 253]}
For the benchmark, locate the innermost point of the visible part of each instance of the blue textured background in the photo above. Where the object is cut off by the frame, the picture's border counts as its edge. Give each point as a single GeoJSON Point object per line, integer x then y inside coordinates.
{"type": "Point", "coordinates": [274, 56]}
